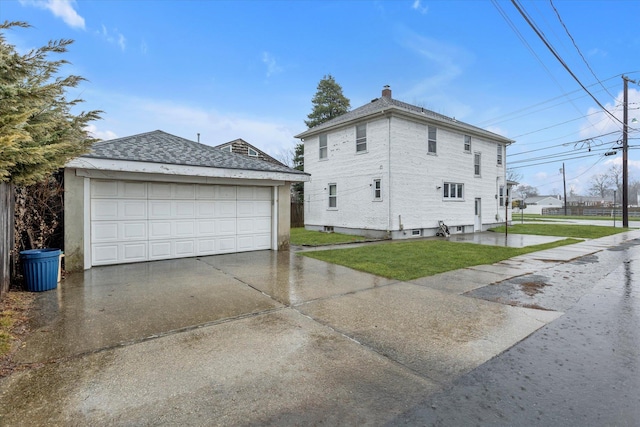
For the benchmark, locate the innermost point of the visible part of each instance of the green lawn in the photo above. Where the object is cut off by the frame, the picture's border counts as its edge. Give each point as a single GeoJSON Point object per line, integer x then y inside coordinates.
{"type": "Point", "coordinates": [561, 229]}
{"type": "Point", "coordinates": [300, 236]}
{"type": "Point", "coordinates": [536, 217]}
{"type": "Point", "coordinates": [410, 260]}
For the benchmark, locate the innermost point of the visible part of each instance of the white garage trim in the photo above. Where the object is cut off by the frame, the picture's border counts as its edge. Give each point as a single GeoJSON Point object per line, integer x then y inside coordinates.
{"type": "Point", "coordinates": [134, 221]}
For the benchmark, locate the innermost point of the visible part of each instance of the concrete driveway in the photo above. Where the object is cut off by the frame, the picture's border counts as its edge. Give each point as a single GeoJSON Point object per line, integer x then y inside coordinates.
{"type": "Point", "coordinates": [258, 338]}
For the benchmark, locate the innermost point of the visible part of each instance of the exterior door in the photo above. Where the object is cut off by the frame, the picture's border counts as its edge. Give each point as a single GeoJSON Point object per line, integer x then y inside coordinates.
{"type": "Point", "coordinates": [477, 224]}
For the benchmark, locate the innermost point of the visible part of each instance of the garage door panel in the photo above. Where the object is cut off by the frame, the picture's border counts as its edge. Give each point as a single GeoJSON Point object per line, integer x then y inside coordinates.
{"type": "Point", "coordinates": [206, 227]}
{"type": "Point", "coordinates": [225, 209]}
{"type": "Point", "coordinates": [132, 209]}
{"type": "Point", "coordinates": [133, 230]}
{"type": "Point", "coordinates": [105, 254]}
{"type": "Point", "coordinates": [225, 227]}
{"type": "Point", "coordinates": [132, 190]}
{"type": "Point", "coordinates": [185, 248]}
{"type": "Point", "coordinates": [159, 229]}
{"type": "Point", "coordinates": [183, 209]}
{"type": "Point", "coordinates": [254, 208]}
{"type": "Point", "coordinates": [183, 229]}
{"type": "Point", "coordinates": [262, 241]}
{"type": "Point", "coordinates": [225, 245]}
{"type": "Point", "coordinates": [104, 231]}
{"type": "Point", "coordinates": [263, 193]}
{"type": "Point", "coordinates": [225, 192]}
{"type": "Point", "coordinates": [159, 190]}
{"type": "Point", "coordinates": [134, 251]}
{"type": "Point", "coordinates": [104, 189]}
{"type": "Point", "coordinates": [160, 249]}
{"type": "Point", "coordinates": [184, 191]}
{"type": "Point", "coordinates": [205, 209]}
{"type": "Point", "coordinates": [206, 246]}
{"type": "Point", "coordinates": [104, 210]}
{"type": "Point", "coordinates": [207, 192]}
{"type": "Point", "coordinates": [159, 209]}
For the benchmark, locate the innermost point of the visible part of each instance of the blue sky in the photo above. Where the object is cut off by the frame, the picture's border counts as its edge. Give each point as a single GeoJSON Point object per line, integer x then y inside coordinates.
{"type": "Point", "coordinates": [248, 69]}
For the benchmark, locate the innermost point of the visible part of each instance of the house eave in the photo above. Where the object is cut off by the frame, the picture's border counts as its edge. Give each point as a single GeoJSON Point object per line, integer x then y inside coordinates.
{"type": "Point", "coordinates": [422, 117]}
{"type": "Point", "coordinates": [182, 170]}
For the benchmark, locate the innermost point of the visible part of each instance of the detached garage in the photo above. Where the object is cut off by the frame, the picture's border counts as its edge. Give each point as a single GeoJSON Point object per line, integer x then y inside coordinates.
{"type": "Point", "coordinates": [157, 196]}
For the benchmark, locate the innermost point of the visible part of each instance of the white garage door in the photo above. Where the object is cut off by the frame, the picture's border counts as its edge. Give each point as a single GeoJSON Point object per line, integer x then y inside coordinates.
{"type": "Point", "coordinates": [142, 221]}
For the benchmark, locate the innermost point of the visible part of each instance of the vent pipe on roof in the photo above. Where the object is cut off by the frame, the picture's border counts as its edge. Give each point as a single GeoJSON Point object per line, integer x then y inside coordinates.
{"type": "Point", "coordinates": [198, 136]}
{"type": "Point", "coordinates": [386, 91]}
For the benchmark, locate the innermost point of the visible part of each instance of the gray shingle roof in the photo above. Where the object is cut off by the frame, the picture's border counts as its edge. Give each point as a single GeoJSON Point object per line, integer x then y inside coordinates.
{"type": "Point", "coordinates": [162, 147]}
{"type": "Point", "coordinates": [386, 103]}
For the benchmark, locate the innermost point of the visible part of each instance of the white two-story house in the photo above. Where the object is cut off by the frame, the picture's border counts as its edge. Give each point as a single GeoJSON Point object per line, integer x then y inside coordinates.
{"type": "Point", "coordinates": [391, 169]}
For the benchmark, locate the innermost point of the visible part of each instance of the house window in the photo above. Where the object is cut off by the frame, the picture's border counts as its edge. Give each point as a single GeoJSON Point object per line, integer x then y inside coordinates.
{"type": "Point", "coordinates": [333, 196]}
{"type": "Point", "coordinates": [499, 154]}
{"type": "Point", "coordinates": [432, 145]}
{"type": "Point", "coordinates": [467, 144]}
{"type": "Point", "coordinates": [377, 189]}
{"type": "Point", "coordinates": [227, 148]}
{"type": "Point", "coordinates": [253, 153]}
{"type": "Point", "coordinates": [501, 195]}
{"type": "Point", "coordinates": [323, 146]}
{"type": "Point", "coordinates": [453, 191]}
{"type": "Point", "coordinates": [361, 138]}
{"type": "Point", "coordinates": [476, 164]}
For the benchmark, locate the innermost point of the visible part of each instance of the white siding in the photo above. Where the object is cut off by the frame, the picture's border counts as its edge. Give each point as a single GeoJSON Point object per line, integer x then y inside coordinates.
{"type": "Point", "coordinates": [412, 180]}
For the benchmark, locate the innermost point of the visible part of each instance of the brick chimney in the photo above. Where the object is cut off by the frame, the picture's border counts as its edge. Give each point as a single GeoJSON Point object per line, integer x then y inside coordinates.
{"type": "Point", "coordinates": [386, 91]}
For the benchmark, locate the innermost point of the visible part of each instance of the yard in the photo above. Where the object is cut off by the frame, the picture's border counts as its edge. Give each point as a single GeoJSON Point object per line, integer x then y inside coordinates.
{"type": "Point", "coordinates": [408, 260]}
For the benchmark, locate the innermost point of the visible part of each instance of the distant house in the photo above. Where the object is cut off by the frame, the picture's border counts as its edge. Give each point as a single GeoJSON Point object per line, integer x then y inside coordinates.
{"type": "Point", "coordinates": [536, 204]}
{"type": "Point", "coordinates": [393, 169]}
{"type": "Point", "coordinates": [240, 146]}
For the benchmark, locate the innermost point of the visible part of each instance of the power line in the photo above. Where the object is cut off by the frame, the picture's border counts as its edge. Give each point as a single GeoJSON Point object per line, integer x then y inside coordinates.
{"type": "Point", "coordinates": [557, 56]}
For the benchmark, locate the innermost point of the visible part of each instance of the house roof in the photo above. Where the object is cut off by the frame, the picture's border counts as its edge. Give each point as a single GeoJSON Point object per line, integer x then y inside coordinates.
{"type": "Point", "coordinates": [241, 146]}
{"type": "Point", "coordinates": [161, 147]}
{"type": "Point", "coordinates": [547, 199]}
{"type": "Point", "coordinates": [388, 104]}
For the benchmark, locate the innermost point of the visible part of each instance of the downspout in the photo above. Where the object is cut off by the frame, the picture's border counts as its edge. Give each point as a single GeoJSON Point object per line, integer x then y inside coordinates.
{"type": "Point", "coordinates": [389, 175]}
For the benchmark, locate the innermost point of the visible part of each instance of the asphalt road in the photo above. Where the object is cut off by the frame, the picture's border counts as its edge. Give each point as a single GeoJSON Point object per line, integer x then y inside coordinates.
{"type": "Point", "coordinates": [581, 370]}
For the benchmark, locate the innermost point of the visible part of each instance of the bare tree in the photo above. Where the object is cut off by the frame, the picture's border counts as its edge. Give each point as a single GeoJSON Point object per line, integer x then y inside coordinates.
{"type": "Point", "coordinates": [600, 185]}
{"type": "Point", "coordinates": [615, 176]}
{"type": "Point", "coordinates": [514, 175]}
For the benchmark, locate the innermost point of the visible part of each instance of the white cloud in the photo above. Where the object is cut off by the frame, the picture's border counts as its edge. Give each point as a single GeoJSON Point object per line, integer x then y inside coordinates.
{"type": "Point", "coordinates": [417, 5]}
{"type": "Point", "coordinates": [113, 37]}
{"type": "Point", "coordinates": [270, 62]}
{"type": "Point", "coordinates": [60, 8]}
{"type": "Point", "coordinates": [100, 134]}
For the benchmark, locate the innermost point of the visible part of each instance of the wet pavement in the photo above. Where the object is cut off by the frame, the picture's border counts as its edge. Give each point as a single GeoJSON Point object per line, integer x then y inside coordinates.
{"type": "Point", "coordinates": [580, 370]}
{"type": "Point", "coordinates": [278, 338]}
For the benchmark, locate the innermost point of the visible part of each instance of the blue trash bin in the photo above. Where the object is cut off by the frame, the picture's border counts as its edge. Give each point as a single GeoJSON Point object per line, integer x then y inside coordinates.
{"type": "Point", "coordinates": [40, 267]}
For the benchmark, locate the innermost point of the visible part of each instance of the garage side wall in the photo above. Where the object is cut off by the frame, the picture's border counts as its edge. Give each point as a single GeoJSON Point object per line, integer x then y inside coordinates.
{"type": "Point", "coordinates": [284, 216]}
{"type": "Point", "coordinates": [73, 221]}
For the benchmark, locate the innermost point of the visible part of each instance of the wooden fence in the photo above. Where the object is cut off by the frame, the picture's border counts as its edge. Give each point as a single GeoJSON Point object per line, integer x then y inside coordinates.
{"type": "Point", "coordinates": [297, 214]}
{"type": "Point", "coordinates": [6, 236]}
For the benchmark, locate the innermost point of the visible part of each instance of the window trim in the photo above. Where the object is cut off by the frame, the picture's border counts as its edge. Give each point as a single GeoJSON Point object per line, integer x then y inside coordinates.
{"type": "Point", "coordinates": [322, 148]}
{"type": "Point", "coordinates": [227, 148]}
{"type": "Point", "coordinates": [251, 152]}
{"type": "Point", "coordinates": [501, 194]}
{"type": "Point", "coordinates": [467, 143]}
{"type": "Point", "coordinates": [477, 164]}
{"type": "Point", "coordinates": [361, 141]}
{"type": "Point", "coordinates": [333, 196]}
{"type": "Point", "coordinates": [377, 189]}
{"type": "Point", "coordinates": [456, 187]}
{"type": "Point", "coordinates": [434, 140]}
{"type": "Point", "coordinates": [500, 156]}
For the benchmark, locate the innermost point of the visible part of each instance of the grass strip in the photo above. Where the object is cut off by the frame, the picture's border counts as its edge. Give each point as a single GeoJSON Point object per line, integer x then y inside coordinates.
{"type": "Point", "coordinates": [411, 260]}
{"type": "Point", "coordinates": [564, 230]}
{"type": "Point", "coordinates": [300, 236]}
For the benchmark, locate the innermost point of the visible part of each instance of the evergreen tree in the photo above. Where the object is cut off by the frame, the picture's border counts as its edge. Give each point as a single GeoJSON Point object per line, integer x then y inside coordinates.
{"type": "Point", "coordinates": [38, 132]}
{"type": "Point", "coordinates": [328, 102]}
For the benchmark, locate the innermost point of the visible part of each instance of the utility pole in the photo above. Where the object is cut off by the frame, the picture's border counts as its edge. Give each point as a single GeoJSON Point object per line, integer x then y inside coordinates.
{"type": "Point", "coordinates": [564, 182]}
{"type": "Point", "coordinates": [625, 149]}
